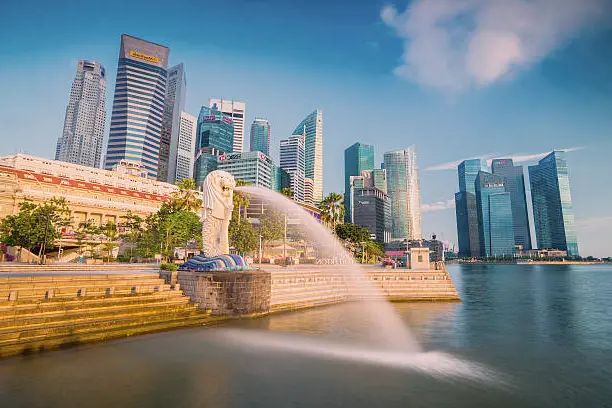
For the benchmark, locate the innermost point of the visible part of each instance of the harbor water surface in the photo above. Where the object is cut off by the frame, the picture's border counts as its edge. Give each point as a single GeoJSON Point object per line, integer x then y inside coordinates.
{"type": "Point", "coordinates": [534, 335]}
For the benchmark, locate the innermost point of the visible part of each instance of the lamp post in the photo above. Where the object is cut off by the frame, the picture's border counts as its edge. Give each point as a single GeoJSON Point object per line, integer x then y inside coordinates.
{"type": "Point", "coordinates": [260, 252]}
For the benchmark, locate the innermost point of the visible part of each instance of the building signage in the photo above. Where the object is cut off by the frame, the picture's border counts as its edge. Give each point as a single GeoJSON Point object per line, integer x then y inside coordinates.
{"type": "Point", "coordinates": [210, 117]}
{"type": "Point", "coordinates": [222, 158]}
{"type": "Point", "coordinates": [145, 57]}
{"type": "Point", "coordinates": [227, 120]}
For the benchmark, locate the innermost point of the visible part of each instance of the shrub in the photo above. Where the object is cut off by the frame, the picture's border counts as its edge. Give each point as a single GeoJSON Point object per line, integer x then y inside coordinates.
{"type": "Point", "coordinates": [123, 258]}
{"type": "Point", "coordinates": [168, 267]}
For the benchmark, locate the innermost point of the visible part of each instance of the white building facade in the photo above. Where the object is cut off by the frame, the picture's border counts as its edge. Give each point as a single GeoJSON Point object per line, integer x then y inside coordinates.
{"type": "Point", "coordinates": [312, 128]}
{"type": "Point", "coordinates": [83, 134]}
{"type": "Point", "coordinates": [292, 159]}
{"type": "Point", "coordinates": [254, 168]}
{"type": "Point", "coordinates": [185, 151]}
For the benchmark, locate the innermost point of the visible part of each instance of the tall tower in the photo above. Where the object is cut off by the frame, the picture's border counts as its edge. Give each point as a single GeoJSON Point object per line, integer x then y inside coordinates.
{"type": "Point", "coordinates": [552, 204]}
{"type": "Point", "coordinates": [494, 215]}
{"type": "Point", "coordinates": [312, 126]}
{"type": "Point", "coordinates": [214, 137]}
{"type": "Point", "coordinates": [404, 193]}
{"type": "Point", "coordinates": [185, 150]}
{"type": "Point", "coordinates": [466, 211]}
{"type": "Point", "coordinates": [260, 136]}
{"type": "Point", "coordinates": [514, 182]}
{"type": "Point", "coordinates": [174, 105]}
{"type": "Point", "coordinates": [292, 159]}
{"type": "Point", "coordinates": [236, 111]}
{"type": "Point", "coordinates": [138, 105]}
{"type": "Point", "coordinates": [357, 158]}
{"type": "Point", "coordinates": [83, 135]}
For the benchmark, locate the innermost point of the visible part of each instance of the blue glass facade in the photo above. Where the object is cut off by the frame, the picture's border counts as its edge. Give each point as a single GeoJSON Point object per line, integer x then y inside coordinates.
{"type": "Point", "coordinates": [466, 210]}
{"type": "Point", "coordinates": [215, 130]}
{"type": "Point", "coordinates": [552, 204]}
{"type": "Point", "coordinates": [280, 179]}
{"type": "Point", "coordinates": [357, 158]}
{"type": "Point", "coordinates": [494, 216]}
{"type": "Point", "coordinates": [260, 136]}
{"type": "Point", "coordinates": [138, 104]}
{"type": "Point", "coordinates": [514, 182]}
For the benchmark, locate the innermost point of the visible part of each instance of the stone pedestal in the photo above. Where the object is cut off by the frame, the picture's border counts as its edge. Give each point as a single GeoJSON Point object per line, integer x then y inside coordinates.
{"type": "Point", "coordinates": [228, 293]}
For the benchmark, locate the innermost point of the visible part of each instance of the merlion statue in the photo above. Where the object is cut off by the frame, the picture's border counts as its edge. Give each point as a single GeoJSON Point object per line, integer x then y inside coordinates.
{"type": "Point", "coordinates": [217, 206]}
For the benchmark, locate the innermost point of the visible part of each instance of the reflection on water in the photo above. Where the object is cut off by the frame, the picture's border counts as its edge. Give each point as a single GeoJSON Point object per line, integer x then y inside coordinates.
{"type": "Point", "coordinates": [545, 329]}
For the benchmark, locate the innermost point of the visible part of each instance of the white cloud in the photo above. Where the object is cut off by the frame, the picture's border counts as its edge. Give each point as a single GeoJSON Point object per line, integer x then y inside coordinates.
{"type": "Point", "coordinates": [516, 158]}
{"type": "Point", "coordinates": [438, 206]}
{"type": "Point", "coordinates": [458, 44]}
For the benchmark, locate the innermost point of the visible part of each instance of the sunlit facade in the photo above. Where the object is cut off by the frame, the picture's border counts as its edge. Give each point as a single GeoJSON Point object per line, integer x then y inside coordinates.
{"type": "Point", "coordinates": [403, 189]}
{"type": "Point", "coordinates": [138, 105]}
{"type": "Point", "coordinates": [552, 204]}
{"type": "Point", "coordinates": [83, 134]}
{"type": "Point", "coordinates": [312, 128]}
{"type": "Point", "coordinates": [357, 158]}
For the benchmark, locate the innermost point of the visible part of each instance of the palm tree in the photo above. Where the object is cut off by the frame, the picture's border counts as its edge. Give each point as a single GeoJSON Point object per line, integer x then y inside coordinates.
{"type": "Point", "coordinates": [185, 198]}
{"type": "Point", "coordinates": [332, 209]}
{"type": "Point", "coordinates": [286, 191]}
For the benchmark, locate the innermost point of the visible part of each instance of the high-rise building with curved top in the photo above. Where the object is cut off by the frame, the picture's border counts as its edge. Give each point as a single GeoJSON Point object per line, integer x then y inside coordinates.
{"type": "Point", "coordinates": [83, 135]}
{"type": "Point", "coordinates": [404, 191]}
{"type": "Point", "coordinates": [312, 127]}
{"type": "Point", "coordinates": [138, 105]}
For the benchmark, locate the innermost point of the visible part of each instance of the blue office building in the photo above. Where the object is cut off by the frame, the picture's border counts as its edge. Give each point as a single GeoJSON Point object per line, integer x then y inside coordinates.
{"type": "Point", "coordinates": [260, 136]}
{"type": "Point", "coordinates": [138, 104]}
{"type": "Point", "coordinates": [357, 158]}
{"type": "Point", "coordinates": [466, 210]}
{"type": "Point", "coordinates": [553, 212]}
{"type": "Point", "coordinates": [494, 216]}
{"type": "Point", "coordinates": [214, 137]}
{"type": "Point", "coordinates": [514, 182]}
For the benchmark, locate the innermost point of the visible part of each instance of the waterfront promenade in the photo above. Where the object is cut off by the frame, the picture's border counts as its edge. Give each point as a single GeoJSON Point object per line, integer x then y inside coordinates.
{"type": "Point", "coordinates": [55, 306]}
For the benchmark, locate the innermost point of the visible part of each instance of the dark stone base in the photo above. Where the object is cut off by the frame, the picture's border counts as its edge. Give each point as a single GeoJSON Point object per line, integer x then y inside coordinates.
{"type": "Point", "coordinates": [228, 293]}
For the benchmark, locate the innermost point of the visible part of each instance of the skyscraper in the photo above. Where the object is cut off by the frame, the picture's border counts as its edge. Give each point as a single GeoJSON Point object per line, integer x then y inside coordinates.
{"type": "Point", "coordinates": [553, 212]}
{"type": "Point", "coordinates": [466, 211]}
{"type": "Point", "coordinates": [214, 137]}
{"type": "Point", "coordinates": [494, 215]}
{"type": "Point", "coordinates": [138, 105]}
{"type": "Point", "coordinates": [514, 182]}
{"type": "Point", "coordinates": [312, 127]}
{"type": "Point", "coordinates": [371, 210]}
{"type": "Point", "coordinates": [376, 178]}
{"type": "Point", "coordinates": [81, 140]}
{"type": "Point", "coordinates": [292, 161]}
{"type": "Point", "coordinates": [185, 150]}
{"type": "Point", "coordinates": [357, 158]}
{"type": "Point", "coordinates": [260, 136]}
{"type": "Point", "coordinates": [308, 186]}
{"type": "Point", "coordinates": [236, 111]}
{"type": "Point", "coordinates": [404, 194]}
{"type": "Point", "coordinates": [254, 168]}
{"type": "Point", "coordinates": [174, 105]}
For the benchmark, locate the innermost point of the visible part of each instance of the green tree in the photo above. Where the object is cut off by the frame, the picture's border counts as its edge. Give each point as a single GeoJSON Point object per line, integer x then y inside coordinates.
{"type": "Point", "coordinates": [186, 197]}
{"type": "Point", "coordinates": [286, 191]}
{"type": "Point", "coordinates": [185, 226]}
{"type": "Point", "coordinates": [272, 225]}
{"type": "Point", "coordinates": [18, 230]}
{"type": "Point", "coordinates": [133, 229]}
{"type": "Point", "coordinates": [243, 236]}
{"type": "Point", "coordinates": [109, 230]}
{"type": "Point", "coordinates": [352, 233]}
{"type": "Point", "coordinates": [332, 209]}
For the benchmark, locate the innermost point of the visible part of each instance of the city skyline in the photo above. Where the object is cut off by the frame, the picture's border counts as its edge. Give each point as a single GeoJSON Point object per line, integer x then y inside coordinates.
{"type": "Point", "coordinates": [554, 102]}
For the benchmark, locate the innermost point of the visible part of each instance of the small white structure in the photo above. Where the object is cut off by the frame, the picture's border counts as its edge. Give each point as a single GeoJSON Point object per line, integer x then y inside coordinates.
{"type": "Point", "coordinates": [418, 258]}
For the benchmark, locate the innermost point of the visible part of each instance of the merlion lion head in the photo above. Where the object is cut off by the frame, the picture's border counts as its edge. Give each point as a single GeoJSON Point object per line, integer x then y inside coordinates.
{"type": "Point", "coordinates": [218, 189]}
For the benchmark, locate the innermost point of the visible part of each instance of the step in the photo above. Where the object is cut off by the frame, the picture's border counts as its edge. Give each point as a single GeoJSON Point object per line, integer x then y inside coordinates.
{"type": "Point", "coordinates": [58, 315]}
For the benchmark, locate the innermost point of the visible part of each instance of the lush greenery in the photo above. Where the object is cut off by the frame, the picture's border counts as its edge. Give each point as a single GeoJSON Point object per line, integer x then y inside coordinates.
{"type": "Point", "coordinates": [242, 235]}
{"type": "Point", "coordinates": [332, 210]}
{"type": "Point", "coordinates": [359, 242]}
{"type": "Point", "coordinates": [168, 267]}
{"type": "Point", "coordinates": [37, 226]}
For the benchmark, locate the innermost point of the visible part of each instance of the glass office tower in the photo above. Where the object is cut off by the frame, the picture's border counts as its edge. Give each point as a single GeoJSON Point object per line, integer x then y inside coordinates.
{"type": "Point", "coordinates": [553, 212]}
{"type": "Point", "coordinates": [357, 158]}
{"type": "Point", "coordinates": [404, 194]}
{"type": "Point", "coordinates": [138, 105]}
{"type": "Point", "coordinates": [260, 136]}
{"type": "Point", "coordinates": [514, 182]}
{"type": "Point", "coordinates": [466, 211]}
{"type": "Point", "coordinates": [494, 216]}
{"type": "Point", "coordinates": [214, 137]}
{"type": "Point", "coordinates": [312, 128]}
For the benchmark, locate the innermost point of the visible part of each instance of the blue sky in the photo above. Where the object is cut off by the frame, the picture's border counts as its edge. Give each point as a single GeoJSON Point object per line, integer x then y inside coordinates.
{"type": "Point", "coordinates": [457, 79]}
